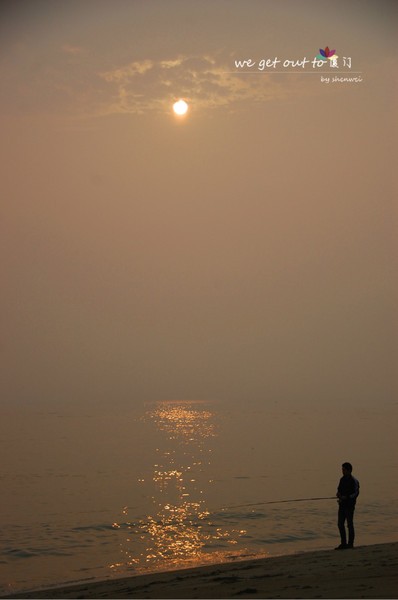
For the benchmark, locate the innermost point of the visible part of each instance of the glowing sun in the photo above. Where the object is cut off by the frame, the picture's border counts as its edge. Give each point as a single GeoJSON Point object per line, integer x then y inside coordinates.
{"type": "Point", "coordinates": [180, 107]}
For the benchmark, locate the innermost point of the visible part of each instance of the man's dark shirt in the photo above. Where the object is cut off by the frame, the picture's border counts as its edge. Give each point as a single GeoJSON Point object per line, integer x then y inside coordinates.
{"type": "Point", "coordinates": [348, 487]}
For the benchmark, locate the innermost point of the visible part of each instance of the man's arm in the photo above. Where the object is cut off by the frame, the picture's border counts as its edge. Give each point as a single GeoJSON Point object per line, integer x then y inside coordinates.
{"type": "Point", "coordinates": [355, 493]}
{"type": "Point", "coordinates": [338, 493]}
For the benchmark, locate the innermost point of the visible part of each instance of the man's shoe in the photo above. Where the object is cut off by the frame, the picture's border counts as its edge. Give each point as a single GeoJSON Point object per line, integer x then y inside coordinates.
{"type": "Point", "coordinates": [350, 546]}
{"type": "Point", "coordinates": [342, 547]}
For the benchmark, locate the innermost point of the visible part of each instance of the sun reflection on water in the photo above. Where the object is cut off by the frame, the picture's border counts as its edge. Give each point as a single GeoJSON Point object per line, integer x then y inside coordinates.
{"type": "Point", "coordinates": [179, 531]}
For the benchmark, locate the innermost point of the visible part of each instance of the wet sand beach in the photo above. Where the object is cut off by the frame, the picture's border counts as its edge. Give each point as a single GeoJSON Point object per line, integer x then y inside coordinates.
{"type": "Point", "coordinates": [364, 572]}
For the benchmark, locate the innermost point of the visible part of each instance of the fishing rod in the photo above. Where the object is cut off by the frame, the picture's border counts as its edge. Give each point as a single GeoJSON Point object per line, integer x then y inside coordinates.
{"type": "Point", "coordinates": [277, 502]}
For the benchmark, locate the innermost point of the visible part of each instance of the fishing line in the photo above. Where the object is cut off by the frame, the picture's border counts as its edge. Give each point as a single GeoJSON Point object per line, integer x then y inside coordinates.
{"type": "Point", "coordinates": [277, 502]}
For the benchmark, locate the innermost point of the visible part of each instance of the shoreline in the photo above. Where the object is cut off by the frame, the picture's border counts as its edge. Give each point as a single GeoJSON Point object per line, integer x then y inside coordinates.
{"type": "Point", "coordinates": [364, 572]}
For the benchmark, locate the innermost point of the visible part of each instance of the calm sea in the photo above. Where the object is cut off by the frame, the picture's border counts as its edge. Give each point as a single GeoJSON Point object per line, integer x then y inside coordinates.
{"type": "Point", "coordinates": [94, 494]}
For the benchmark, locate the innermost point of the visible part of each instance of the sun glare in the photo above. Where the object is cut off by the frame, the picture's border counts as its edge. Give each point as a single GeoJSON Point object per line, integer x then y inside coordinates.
{"type": "Point", "coordinates": [180, 107]}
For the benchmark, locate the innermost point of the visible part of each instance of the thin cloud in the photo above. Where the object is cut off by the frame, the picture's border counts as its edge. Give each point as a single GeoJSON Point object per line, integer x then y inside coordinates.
{"type": "Point", "coordinates": [70, 82]}
{"type": "Point", "coordinates": [152, 85]}
{"type": "Point", "coordinates": [72, 50]}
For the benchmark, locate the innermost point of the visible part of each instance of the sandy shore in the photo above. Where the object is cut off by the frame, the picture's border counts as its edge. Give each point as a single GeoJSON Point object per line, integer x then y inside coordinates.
{"type": "Point", "coordinates": [364, 572]}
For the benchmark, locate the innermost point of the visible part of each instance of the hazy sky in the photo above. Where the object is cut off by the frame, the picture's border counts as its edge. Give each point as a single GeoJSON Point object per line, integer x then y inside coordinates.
{"type": "Point", "coordinates": [243, 253]}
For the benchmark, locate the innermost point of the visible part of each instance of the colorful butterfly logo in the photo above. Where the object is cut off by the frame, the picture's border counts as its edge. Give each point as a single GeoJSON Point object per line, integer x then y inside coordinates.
{"type": "Point", "coordinates": [326, 54]}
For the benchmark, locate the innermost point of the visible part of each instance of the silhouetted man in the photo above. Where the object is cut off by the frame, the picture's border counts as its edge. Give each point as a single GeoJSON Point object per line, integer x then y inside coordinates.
{"type": "Point", "coordinates": [347, 493]}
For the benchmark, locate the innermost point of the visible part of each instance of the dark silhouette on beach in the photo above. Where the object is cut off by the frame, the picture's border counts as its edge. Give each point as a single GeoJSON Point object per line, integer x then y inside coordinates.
{"type": "Point", "coordinates": [347, 493]}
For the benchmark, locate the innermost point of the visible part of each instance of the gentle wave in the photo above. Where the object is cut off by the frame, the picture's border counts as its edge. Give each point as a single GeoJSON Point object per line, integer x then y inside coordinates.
{"type": "Point", "coordinates": [19, 553]}
{"type": "Point", "coordinates": [101, 527]}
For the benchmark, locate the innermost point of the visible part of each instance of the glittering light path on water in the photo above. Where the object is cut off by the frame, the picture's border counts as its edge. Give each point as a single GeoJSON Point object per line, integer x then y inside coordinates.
{"type": "Point", "coordinates": [179, 531]}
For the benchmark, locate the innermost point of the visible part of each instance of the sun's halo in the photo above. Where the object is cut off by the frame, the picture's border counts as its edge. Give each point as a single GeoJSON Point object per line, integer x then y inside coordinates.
{"type": "Point", "coordinates": [180, 107]}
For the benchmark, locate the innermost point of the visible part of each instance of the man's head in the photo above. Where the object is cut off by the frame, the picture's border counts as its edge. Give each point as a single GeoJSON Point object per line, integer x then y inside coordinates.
{"type": "Point", "coordinates": [346, 468]}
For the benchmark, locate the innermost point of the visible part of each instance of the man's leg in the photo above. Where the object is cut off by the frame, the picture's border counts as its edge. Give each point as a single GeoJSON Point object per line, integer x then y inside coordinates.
{"type": "Point", "coordinates": [350, 525]}
{"type": "Point", "coordinates": [340, 524]}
